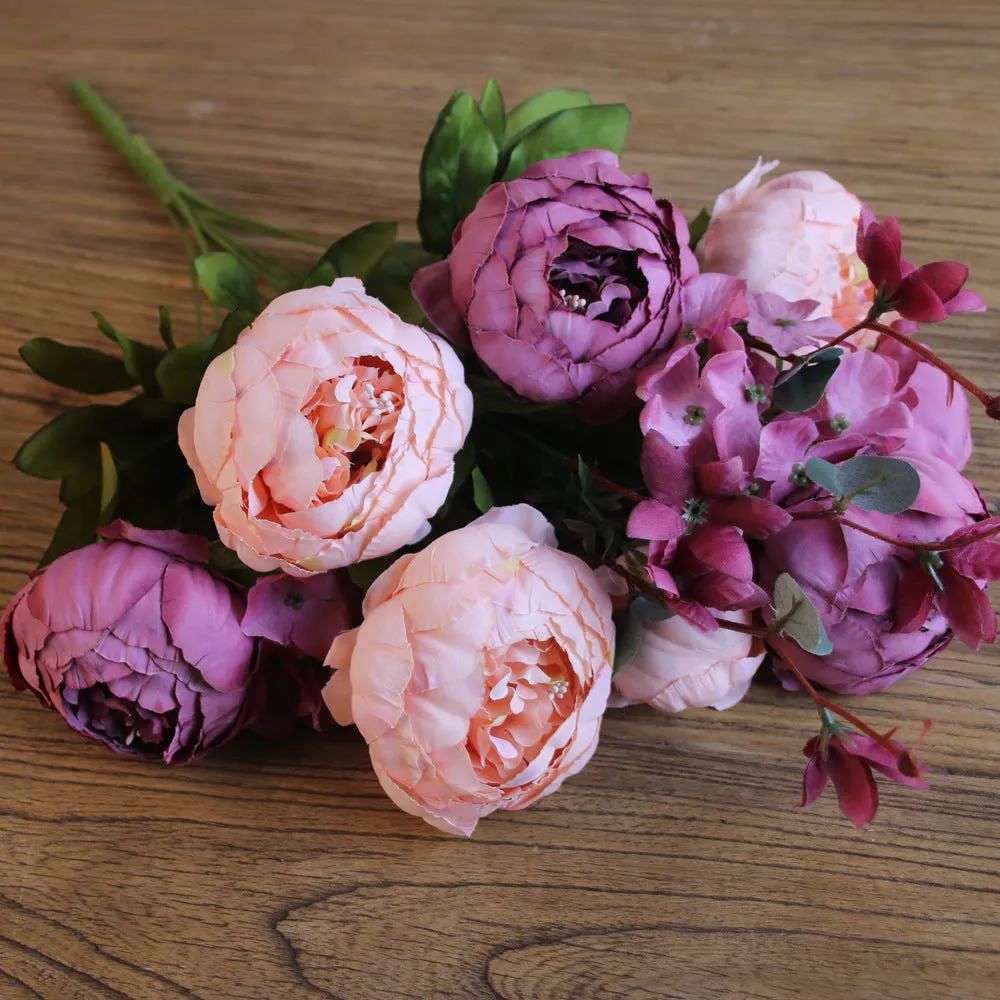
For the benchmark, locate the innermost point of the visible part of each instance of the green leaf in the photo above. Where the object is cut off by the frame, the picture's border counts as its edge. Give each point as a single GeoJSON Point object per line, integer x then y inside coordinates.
{"type": "Point", "coordinates": [543, 105]}
{"type": "Point", "coordinates": [232, 326]}
{"type": "Point", "coordinates": [482, 495]}
{"type": "Point", "coordinates": [109, 485]}
{"type": "Point", "coordinates": [823, 473]}
{"type": "Point", "coordinates": [226, 563]}
{"type": "Point", "coordinates": [81, 368]}
{"type": "Point", "coordinates": [400, 301]}
{"type": "Point", "coordinates": [457, 166]}
{"type": "Point", "coordinates": [491, 104]}
{"type": "Point", "coordinates": [166, 328]}
{"type": "Point", "coordinates": [802, 386]}
{"type": "Point", "coordinates": [140, 359]}
{"type": "Point", "coordinates": [180, 373]}
{"type": "Point", "coordinates": [77, 527]}
{"type": "Point", "coordinates": [359, 251]}
{"type": "Point", "coordinates": [465, 460]}
{"type": "Point", "coordinates": [227, 281]}
{"type": "Point", "coordinates": [596, 126]}
{"type": "Point", "coordinates": [796, 616]}
{"type": "Point", "coordinates": [630, 635]}
{"type": "Point", "coordinates": [400, 263]}
{"type": "Point", "coordinates": [324, 273]}
{"type": "Point", "coordinates": [364, 574]}
{"type": "Point", "coordinates": [67, 445]}
{"type": "Point", "coordinates": [698, 227]}
{"type": "Point", "coordinates": [873, 482]}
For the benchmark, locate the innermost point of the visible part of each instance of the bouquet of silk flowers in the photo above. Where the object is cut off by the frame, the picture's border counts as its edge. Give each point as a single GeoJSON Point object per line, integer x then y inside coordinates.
{"type": "Point", "coordinates": [567, 451]}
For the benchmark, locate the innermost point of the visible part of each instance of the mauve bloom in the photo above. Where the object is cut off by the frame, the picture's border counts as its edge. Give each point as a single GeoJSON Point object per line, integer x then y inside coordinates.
{"type": "Point", "coordinates": [928, 294]}
{"type": "Point", "coordinates": [135, 644]}
{"type": "Point", "coordinates": [863, 590]}
{"type": "Point", "coordinates": [679, 666]}
{"type": "Point", "coordinates": [793, 236]}
{"type": "Point", "coordinates": [481, 671]}
{"type": "Point", "coordinates": [306, 615]}
{"type": "Point", "coordinates": [327, 434]}
{"type": "Point", "coordinates": [564, 281]}
{"type": "Point", "coordinates": [786, 326]}
{"type": "Point", "coordinates": [848, 761]}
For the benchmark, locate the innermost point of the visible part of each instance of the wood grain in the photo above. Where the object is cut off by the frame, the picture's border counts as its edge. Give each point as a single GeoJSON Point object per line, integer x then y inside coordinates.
{"type": "Point", "coordinates": [675, 866]}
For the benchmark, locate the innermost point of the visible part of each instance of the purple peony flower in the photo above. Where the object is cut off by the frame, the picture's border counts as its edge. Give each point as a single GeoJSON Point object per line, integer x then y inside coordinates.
{"type": "Point", "coordinates": [565, 281]}
{"type": "Point", "coordinates": [135, 644]}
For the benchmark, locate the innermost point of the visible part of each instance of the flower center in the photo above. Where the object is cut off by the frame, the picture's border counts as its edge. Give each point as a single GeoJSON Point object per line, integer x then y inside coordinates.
{"type": "Point", "coordinates": [839, 424]}
{"type": "Point", "coordinates": [598, 282]}
{"type": "Point", "coordinates": [121, 722]}
{"type": "Point", "coordinates": [355, 417]}
{"type": "Point", "coordinates": [530, 689]}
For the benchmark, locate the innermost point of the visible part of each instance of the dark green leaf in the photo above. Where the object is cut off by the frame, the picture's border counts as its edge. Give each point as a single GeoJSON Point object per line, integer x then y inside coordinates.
{"type": "Point", "coordinates": [364, 574]}
{"type": "Point", "coordinates": [80, 368]}
{"type": "Point", "coordinates": [180, 372]}
{"type": "Point", "coordinates": [359, 251]}
{"type": "Point", "coordinates": [400, 263]}
{"type": "Point", "coordinates": [886, 485]}
{"type": "Point", "coordinates": [628, 640]}
{"type": "Point", "coordinates": [796, 616]}
{"type": "Point", "coordinates": [226, 563]}
{"type": "Point", "coordinates": [542, 105]}
{"type": "Point", "coordinates": [324, 273]}
{"type": "Point", "coordinates": [77, 527]}
{"type": "Point", "coordinates": [824, 474]}
{"type": "Point", "coordinates": [232, 326]}
{"type": "Point", "coordinates": [166, 328]}
{"type": "Point", "coordinates": [596, 126]}
{"type": "Point", "coordinates": [698, 227]}
{"type": "Point", "coordinates": [67, 445]}
{"type": "Point", "coordinates": [802, 387]}
{"type": "Point", "coordinates": [227, 281]}
{"type": "Point", "coordinates": [491, 104]}
{"type": "Point", "coordinates": [140, 359]}
{"type": "Point", "coordinates": [109, 485]}
{"type": "Point", "coordinates": [400, 301]}
{"type": "Point", "coordinates": [457, 166]}
{"type": "Point", "coordinates": [464, 462]}
{"type": "Point", "coordinates": [648, 610]}
{"type": "Point", "coordinates": [482, 495]}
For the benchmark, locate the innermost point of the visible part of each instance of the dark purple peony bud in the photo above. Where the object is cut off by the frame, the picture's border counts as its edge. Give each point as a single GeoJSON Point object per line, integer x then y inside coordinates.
{"type": "Point", "coordinates": [564, 281]}
{"type": "Point", "coordinates": [135, 644]}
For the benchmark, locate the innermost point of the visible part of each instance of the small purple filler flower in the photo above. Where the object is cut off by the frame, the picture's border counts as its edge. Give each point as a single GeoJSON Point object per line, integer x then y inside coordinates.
{"type": "Point", "coordinates": [135, 644]}
{"type": "Point", "coordinates": [565, 281]}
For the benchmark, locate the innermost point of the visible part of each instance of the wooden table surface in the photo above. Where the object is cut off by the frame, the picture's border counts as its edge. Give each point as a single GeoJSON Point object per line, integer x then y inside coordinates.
{"type": "Point", "coordinates": [676, 864]}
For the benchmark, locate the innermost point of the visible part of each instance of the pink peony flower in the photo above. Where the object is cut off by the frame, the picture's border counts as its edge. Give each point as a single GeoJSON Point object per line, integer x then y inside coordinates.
{"type": "Point", "coordinates": [327, 434]}
{"type": "Point", "coordinates": [927, 294]}
{"type": "Point", "coordinates": [480, 673]}
{"type": "Point", "coordinates": [849, 761]}
{"type": "Point", "coordinates": [565, 281]}
{"type": "Point", "coordinates": [793, 236]}
{"type": "Point", "coordinates": [679, 666]}
{"type": "Point", "coordinates": [135, 644]}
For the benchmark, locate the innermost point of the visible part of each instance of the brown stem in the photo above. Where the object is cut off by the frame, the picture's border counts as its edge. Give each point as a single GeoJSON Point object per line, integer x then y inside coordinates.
{"type": "Point", "coordinates": [610, 484]}
{"type": "Point", "coordinates": [928, 355]}
{"type": "Point", "coordinates": [832, 706]}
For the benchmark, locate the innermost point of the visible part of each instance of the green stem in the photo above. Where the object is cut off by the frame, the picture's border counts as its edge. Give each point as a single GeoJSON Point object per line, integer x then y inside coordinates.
{"type": "Point", "coordinates": [189, 256]}
{"type": "Point", "coordinates": [133, 148]}
{"type": "Point", "coordinates": [250, 224]}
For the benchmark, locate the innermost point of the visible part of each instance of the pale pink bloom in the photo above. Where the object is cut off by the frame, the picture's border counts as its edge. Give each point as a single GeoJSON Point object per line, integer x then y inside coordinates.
{"type": "Point", "coordinates": [793, 236]}
{"type": "Point", "coordinates": [327, 434]}
{"type": "Point", "coordinates": [678, 666]}
{"type": "Point", "coordinates": [480, 673]}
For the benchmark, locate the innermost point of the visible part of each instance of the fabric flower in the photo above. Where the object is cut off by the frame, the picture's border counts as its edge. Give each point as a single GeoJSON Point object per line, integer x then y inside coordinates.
{"type": "Point", "coordinates": [480, 673]}
{"type": "Point", "coordinates": [864, 589]}
{"type": "Point", "coordinates": [135, 644]}
{"type": "Point", "coordinates": [793, 236]}
{"type": "Point", "coordinates": [928, 294]}
{"type": "Point", "coordinates": [786, 326]}
{"type": "Point", "coordinates": [679, 666]}
{"type": "Point", "coordinates": [564, 281]}
{"type": "Point", "coordinates": [849, 761]}
{"type": "Point", "coordinates": [327, 434]}
{"type": "Point", "coordinates": [306, 615]}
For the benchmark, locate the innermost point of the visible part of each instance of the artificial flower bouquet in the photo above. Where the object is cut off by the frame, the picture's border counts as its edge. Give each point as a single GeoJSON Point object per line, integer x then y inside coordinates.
{"type": "Point", "coordinates": [565, 451]}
